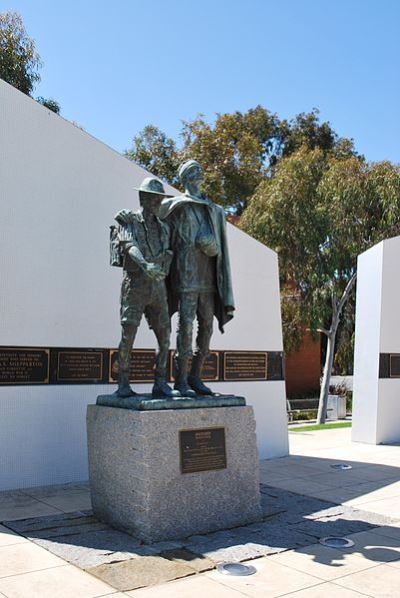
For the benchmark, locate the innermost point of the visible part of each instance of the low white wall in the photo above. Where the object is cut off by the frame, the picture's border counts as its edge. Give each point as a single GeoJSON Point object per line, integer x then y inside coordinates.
{"type": "Point", "coordinates": [60, 189]}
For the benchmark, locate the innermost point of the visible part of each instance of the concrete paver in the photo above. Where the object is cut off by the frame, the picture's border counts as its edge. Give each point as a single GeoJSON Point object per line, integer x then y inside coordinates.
{"type": "Point", "coordinates": [8, 537]}
{"type": "Point", "coordinates": [25, 557]}
{"type": "Point", "coordinates": [374, 547]}
{"type": "Point", "coordinates": [191, 587]}
{"type": "Point", "coordinates": [323, 562]}
{"type": "Point", "coordinates": [272, 579]}
{"type": "Point", "coordinates": [380, 582]}
{"type": "Point", "coordinates": [63, 582]}
{"type": "Point", "coordinates": [327, 590]}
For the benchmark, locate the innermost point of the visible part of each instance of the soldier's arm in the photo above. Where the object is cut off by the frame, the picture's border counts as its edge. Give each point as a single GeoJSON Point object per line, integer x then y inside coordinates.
{"type": "Point", "coordinates": [129, 247]}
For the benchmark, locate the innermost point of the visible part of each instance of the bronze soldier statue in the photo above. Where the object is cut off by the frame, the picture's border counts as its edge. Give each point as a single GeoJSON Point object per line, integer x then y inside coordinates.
{"type": "Point", "coordinates": [142, 244]}
{"type": "Point", "coordinates": [199, 284]}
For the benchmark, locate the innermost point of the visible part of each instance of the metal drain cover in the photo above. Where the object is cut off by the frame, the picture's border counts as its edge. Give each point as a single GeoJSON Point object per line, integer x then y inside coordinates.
{"type": "Point", "coordinates": [336, 542]}
{"type": "Point", "coordinates": [342, 466]}
{"type": "Point", "coordinates": [236, 569]}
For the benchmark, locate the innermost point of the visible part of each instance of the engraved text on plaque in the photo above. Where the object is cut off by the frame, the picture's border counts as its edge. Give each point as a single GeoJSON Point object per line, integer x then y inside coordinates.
{"type": "Point", "coordinates": [202, 449]}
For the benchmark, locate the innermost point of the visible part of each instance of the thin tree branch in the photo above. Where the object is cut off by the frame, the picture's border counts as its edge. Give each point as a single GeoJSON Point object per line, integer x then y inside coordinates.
{"type": "Point", "coordinates": [324, 331]}
{"type": "Point", "coordinates": [346, 293]}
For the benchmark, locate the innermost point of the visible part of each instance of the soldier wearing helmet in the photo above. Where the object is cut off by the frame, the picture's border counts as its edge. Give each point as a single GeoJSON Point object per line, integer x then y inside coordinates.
{"type": "Point", "coordinates": [143, 245]}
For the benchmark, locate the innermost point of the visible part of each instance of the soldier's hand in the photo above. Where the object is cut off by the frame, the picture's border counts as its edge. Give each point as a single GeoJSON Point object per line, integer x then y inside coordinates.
{"type": "Point", "coordinates": [124, 216]}
{"type": "Point", "coordinates": [154, 271]}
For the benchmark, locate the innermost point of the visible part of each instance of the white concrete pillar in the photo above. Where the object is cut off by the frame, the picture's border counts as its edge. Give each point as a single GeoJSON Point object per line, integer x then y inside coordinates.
{"type": "Point", "coordinates": [376, 389]}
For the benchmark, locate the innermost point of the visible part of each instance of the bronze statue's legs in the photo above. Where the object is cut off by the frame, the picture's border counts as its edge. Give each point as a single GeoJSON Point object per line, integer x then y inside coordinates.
{"type": "Point", "coordinates": [133, 300]}
{"type": "Point", "coordinates": [124, 357]}
{"type": "Point", "coordinates": [190, 305]}
{"type": "Point", "coordinates": [187, 314]}
{"type": "Point", "coordinates": [158, 319]}
{"type": "Point", "coordinates": [205, 315]}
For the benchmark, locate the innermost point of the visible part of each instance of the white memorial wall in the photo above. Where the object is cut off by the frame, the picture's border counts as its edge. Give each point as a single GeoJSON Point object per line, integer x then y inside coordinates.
{"type": "Point", "coordinates": [376, 384]}
{"type": "Point", "coordinates": [60, 189]}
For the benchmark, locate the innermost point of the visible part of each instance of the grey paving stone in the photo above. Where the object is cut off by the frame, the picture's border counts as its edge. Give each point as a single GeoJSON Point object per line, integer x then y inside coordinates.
{"type": "Point", "coordinates": [277, 538]}
{"type": "Point", "coordinates": [241, 552]}
{"type": "Point", "coordinates": [159, 547]}
{"type": "Point", "coordinates": [94, 548]}
{"type": "Point", "coordinates": [81, 556]}
{"type": "Point", "coordinates": [68, 530]}
{"type": "Point", "coordinates": [109, 539]}
{"type": "Point", "coordinates": [49, 522]}
{"type": "Point", "coordinates": [330, 512]}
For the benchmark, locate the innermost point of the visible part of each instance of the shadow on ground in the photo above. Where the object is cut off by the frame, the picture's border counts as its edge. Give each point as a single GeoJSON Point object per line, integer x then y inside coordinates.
{"type": "Point", "coordinates": [291, 520]}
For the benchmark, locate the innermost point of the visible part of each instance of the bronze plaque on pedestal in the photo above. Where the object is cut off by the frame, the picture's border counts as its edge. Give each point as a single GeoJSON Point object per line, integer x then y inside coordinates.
{"type": "Point", "coordinates": [245, 365]}
{"type": "Point", "coordinates": [75, 366]}
{"type": "Point", "coordinates": [24, 366]}
{"type": "Point", "coordinates": [202, 449]}
{"type": "Point", "coordinates": [141, 367]}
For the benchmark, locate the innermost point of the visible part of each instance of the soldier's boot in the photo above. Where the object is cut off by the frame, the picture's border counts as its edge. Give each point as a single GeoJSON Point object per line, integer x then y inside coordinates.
{"type": "Point", "coordinates": [194, 379]}
{"type": "Point", "coordinates": [124, 389]}
{"type": "Point", "coordinates": [181, 380]}
{"type": "Point", "coordinates": [161, 390]}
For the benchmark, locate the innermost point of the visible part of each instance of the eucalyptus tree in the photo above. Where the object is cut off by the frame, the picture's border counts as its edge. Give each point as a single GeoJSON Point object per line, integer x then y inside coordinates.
{"type": "Point", "coordinates": [319, 211]}
{"type": "Point", "coordinates": [19, 60]}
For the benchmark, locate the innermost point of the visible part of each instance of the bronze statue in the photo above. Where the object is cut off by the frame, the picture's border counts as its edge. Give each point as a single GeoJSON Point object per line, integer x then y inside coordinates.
{"type": "Point", "coordinates": [199, 284]}
{"type": "Point", "coordinates": [142, 246]}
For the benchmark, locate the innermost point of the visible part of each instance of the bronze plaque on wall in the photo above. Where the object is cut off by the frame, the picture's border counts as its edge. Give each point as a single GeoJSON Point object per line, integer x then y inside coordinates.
{"type": "Point", "coordinates": [24, 366]}
{"type": "Point", "coordinates": [141, 368]}
{"type": "Point", "coordinates": [74, 366]}
{"type": "Point", "coordinates": [202, 449]}
{"type": "Point", "coordinates": [210, 368]}
{"type": "Point", "coordinates": [394, 371]}
{"type": "Point", "coordinates": [245, 365]}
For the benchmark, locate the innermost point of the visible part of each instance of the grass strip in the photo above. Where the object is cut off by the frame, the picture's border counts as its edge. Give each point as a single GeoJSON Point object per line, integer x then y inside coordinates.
{"type": "Point", "coordinates": [314, 427]}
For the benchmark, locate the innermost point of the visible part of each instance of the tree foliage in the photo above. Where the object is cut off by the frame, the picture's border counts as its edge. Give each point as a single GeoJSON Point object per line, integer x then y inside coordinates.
{"type": "Point", "coordinates": [19, 61]}
{"type": "Point", "coordinates": [50, 104]}
{"type": "Point", "coordinates": [238, 151]}
{"type": "Point", "coordinates": [156, 152]}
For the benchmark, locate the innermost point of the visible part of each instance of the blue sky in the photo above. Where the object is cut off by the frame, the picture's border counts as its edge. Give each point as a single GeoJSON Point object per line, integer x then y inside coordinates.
{"type": "Point", "coordinates": [116, 66]}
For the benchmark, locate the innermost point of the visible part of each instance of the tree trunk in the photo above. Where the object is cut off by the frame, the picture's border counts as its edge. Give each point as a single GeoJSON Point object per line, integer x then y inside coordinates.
{"type": "Point", "coordinates": [323, 397]}
{"type": "Point", "coordinates": [330, 348]}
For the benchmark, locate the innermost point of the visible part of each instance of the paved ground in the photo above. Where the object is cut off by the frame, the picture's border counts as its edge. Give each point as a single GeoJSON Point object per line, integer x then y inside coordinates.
{"type": "Point", "coordinates": [49, 539]}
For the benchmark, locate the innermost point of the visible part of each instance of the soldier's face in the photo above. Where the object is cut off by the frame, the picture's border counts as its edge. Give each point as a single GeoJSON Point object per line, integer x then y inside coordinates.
{"type": "Point", "coordinates": [195, 175]}
{"type": "Point", "coordinates": [150, 202]}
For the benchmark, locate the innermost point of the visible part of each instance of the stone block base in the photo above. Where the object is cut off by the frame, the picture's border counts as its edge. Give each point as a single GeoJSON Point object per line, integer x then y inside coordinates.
{"type": "Point", "coordinates": [136, 464]}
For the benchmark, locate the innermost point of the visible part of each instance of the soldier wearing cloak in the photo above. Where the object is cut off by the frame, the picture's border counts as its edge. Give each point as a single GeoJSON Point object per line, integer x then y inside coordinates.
{"type": "Point", "coordinates": [199, 284]}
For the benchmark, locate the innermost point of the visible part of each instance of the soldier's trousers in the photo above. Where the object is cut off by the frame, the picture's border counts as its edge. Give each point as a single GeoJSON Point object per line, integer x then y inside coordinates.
{"type": "Point", "coordinates": [140, 295]}
{"type": "Point", "coordinates": [192, 304]}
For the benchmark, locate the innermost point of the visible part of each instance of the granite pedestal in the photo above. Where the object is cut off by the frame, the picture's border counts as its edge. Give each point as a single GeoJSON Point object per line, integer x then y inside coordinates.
{"type": "Point", "coordinates": [142, 469]}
